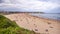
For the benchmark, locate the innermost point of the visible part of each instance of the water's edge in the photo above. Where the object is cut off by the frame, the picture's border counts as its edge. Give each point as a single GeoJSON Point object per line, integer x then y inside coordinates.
{"type": "Point", "coordinates": [49, 16]}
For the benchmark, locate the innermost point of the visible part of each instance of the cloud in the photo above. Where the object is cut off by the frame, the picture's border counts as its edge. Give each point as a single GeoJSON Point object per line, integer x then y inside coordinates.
{"type": "Point", "coordinates": [29, 5]}
{"type": "Point", "coordinates": [54, 1]}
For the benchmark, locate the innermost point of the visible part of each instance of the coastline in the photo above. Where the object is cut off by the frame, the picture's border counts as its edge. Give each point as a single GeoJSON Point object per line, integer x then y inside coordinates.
{"type": "Point", "coordinates": [37, 24]}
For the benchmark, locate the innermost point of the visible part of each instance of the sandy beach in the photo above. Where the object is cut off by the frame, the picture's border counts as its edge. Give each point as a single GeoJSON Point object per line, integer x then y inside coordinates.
{"type": "Point", "coordinates": [37, 24]}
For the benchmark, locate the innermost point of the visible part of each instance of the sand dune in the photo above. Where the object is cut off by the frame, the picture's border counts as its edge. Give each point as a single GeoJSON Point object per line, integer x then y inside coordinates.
{"type": "Point", "coordinates": [37, 24]}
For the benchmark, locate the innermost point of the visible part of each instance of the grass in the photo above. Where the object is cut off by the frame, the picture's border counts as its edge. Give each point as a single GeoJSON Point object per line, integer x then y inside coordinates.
{"type": "Point", "coordinates": [10, 27]}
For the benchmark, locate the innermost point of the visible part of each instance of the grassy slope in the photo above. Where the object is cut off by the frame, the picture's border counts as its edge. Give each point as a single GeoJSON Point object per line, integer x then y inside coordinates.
{"type": "Point", "coordinates": [10, 27]}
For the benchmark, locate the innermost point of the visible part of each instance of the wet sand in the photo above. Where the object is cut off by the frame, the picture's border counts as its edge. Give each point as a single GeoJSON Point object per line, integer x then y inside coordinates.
{"type": "Point", "coordinates": [37, 24]}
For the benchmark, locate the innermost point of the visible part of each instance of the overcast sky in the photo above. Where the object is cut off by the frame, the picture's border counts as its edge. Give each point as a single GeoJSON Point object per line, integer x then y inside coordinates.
{"type": "Point", "coordinates": [49, 6]}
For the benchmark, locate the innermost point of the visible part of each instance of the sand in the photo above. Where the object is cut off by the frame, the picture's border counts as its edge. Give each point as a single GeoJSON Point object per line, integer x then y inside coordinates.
{"type": "Point", "coordinates": [37, 24]}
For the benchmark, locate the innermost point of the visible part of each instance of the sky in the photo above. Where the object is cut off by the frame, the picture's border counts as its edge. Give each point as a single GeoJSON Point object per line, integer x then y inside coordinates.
{"type": "Point", "coordinates": [48, 6]}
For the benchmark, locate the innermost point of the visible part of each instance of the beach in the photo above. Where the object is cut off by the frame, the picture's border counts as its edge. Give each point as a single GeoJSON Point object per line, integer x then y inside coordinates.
{"type": "Point", "coordinates": [34, 23]}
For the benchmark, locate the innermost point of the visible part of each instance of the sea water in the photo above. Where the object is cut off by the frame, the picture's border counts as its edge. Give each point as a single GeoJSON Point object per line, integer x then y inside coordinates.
{"type": "Point", "coordinates": [50, 16]}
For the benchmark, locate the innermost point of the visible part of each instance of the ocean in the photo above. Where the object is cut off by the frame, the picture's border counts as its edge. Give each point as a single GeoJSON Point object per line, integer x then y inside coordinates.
{"type": "Point", "coordinates": [50, 16]}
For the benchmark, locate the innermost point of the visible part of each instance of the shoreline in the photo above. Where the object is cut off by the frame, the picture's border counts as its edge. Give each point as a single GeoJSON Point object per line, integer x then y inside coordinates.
{"type": "Point", "coordinates": [34, 16]}
{"type": "Point", "coordinates": [45, 18]}
{"type": "Point", "coordinates": [37, 24]}
{"type": "Point", "coordinates": [8, 13]}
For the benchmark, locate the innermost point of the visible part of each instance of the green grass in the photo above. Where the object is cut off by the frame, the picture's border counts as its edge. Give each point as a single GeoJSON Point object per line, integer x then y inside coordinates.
{"type": "Point", "coordinates": [10, 27]}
